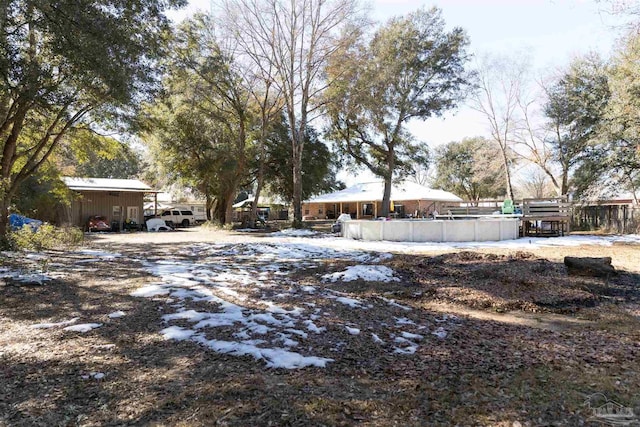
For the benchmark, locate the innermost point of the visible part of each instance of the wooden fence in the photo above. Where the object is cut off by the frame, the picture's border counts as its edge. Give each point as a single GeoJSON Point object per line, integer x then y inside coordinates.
{"type": "Point", "coordinates": [615, 218]}
{"type": "Point", "coordinates": [549, 216]}
{"type": "Point", "coordinates": [557, 216]}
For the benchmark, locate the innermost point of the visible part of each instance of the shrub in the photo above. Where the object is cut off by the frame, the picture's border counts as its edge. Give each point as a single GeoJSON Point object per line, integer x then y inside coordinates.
{"type": "Point", "coordinates": [45, 237]}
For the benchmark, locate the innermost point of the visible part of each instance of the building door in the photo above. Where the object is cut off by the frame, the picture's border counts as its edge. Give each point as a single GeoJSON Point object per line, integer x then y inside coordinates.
{"type": "Point", "coordinates": [116, 218]}
{"type": "Point", "coordinates": [133, 213]}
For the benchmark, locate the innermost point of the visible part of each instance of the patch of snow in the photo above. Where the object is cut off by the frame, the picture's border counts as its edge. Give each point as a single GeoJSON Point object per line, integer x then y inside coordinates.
{"type": "Point", "coordinates": [273, 308]}
{"type": "Point", "coordinates": [343, 244]}
{"type": "Point", "coordinates": [36, 256]}
{"type": "Point", "coordinates": [53, 325]}
{"type": "Point", "coordinates": [94, 375]}
{"type": "Point", "coordinates": [373, 259]}
{"type": "Point", "coordinates": [298, 332]}
{"type": "Point", "coordinates": [116, 314]}
{"type": "Point", "coordinates": [286, 340]}
{"type": "Point", "coordinates": [274, 357]}
{"type": "Point", "coordinates": [293, 232]}
{"type": "Point", "coordinates": [177, 333]}
{"type": "Point", "coordinates": [395, 304]}
{"type": "Point", "coordinates": [82, 328]}
{"type": "Point", "coordinates": [369, 273]}
{"type": "Point", "coordinates": [17, 276]}
{"type": "Point", "coordinates": [352, 331]}
{"type": "Point", "coordinates": [99, 254]}
{"type": "Point", "coordinates": [404, 321]}
{"type": "Point", "coordinates": [406, 350]}
{"type": "Point", "coordinates": [150, 291]}
{"type": "Point", "coordinates": [440, 333]}
{"type": "Point", "coordinates": [402, 340]}
{"type": "Point", "coordinates": [377, 339]}
{"type": "Point", "coordinates": [411, 336]}
{"type": "Point", "coordinates": [189, 315]}
{"type": "Point", "coordinates": [235, 286]}
{"type": "Point", "coordinates": [313, 327]}
{"type": "Point", "coordinates": [351, 302]}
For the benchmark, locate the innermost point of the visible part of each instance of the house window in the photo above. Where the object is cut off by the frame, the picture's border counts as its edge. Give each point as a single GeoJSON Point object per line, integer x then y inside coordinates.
{"type": "Point", "coordinates": [319, 211]}
{"type": "Point", "coordinates": [306, 211]}
{"type": "Point", "coordinates": [367, 209]}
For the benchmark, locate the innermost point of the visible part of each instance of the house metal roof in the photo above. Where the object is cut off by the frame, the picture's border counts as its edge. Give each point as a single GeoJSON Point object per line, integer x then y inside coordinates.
{"type": "Point", "coordinates": [106, 184]}
{"type": "Point", "coordinates": [373, 192]}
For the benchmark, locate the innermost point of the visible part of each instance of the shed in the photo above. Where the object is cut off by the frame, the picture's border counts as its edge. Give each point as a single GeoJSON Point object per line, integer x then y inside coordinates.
{"type": "Point", "coordinates": [116, 199]}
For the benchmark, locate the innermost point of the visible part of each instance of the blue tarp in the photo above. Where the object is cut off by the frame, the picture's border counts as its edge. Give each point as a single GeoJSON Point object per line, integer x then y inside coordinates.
{"type": "Point", "coordinates": [18, 221]}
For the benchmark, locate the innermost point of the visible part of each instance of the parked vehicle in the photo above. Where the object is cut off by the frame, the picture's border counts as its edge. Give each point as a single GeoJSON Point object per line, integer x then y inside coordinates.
{"type": "Point", "coordinates": [157, 224]}
{"type": "Point", "coordinates": [175, 217]}
{"type": "Point", "coordinates": [337, 227]}
{"type": "Point", "coordinates": [98, 223]}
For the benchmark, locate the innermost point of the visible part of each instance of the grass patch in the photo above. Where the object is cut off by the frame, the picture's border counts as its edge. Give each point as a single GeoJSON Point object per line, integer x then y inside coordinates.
{"type": "Point", "coordinates": [45, 237]}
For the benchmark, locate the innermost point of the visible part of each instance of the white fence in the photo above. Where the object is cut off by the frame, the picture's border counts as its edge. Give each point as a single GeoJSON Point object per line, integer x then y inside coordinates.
{"type": "Point", "coordinates": [474, 230]}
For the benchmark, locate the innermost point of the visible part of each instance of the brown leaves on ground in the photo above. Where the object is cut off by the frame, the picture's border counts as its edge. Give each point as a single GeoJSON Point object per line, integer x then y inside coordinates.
{"type": "Point", "coordinates": [519, 281]}
{"type": "Point", "coordinates": [485, 372]}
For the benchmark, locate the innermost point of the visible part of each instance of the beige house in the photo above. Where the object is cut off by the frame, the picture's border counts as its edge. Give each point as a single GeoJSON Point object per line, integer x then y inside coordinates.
{"type": "Point", "coordinates": [116, 199]}
{"type": "Point", "coordinates": [363, 201]}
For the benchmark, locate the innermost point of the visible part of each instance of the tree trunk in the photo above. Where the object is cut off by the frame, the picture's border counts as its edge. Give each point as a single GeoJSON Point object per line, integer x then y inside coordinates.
{"type": "Point", "coordinates": [386, 197]}
{"type": "Point", "coordinates": [596, 267]}
{"type": "Point", "coordinates": [297, 184]}
{"type": "Point", "coordinates": [565, 180]}
{"type": "Point", "coordinates": [507, 171]}
{"type": "Point", "coordinates": [260, 177]}
{"type": "Point", "coordinates": [388, 180]}
{"type": "Point", "coordinates": [4, 221]}
{"type": "Point", "coordinates": [208, 206]}
{"type": "Point", "coordinates": [227, 205]}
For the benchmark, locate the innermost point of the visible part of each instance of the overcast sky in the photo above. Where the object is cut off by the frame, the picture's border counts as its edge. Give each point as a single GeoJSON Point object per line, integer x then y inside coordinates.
{"type": "Point", "coordinates": [552, 32]}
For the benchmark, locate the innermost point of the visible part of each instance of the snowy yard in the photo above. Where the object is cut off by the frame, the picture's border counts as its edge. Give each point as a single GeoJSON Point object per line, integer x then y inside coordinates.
{"type": "Point", "coordinates": [303, 328]}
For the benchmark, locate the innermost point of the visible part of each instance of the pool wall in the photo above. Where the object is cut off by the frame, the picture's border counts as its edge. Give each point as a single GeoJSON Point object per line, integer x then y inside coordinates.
{"type": "Point", "coordinates": [465, 230]}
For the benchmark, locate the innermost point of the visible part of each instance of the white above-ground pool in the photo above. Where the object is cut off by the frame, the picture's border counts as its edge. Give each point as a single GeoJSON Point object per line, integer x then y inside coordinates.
{"type": "Point", "coordinates": [459, 230]}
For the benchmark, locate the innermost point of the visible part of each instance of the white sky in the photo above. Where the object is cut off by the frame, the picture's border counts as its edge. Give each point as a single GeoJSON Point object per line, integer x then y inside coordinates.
{"type": "Point", "coordinates": [551, 31]}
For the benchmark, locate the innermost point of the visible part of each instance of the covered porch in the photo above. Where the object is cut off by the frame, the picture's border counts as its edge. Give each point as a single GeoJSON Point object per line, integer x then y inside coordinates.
{"type": "Point", "coordinates": [364, 201]}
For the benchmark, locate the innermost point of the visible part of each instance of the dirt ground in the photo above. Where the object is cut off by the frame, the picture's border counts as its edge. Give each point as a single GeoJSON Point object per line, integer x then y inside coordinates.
{"type": "Point", "coordinates": [527, 344]}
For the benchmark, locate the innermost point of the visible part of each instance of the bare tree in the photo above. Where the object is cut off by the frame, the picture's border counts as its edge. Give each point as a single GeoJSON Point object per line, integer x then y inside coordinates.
{"type": "Point", "coordinates": [557, 132]}
{"type": "Point", "coordinates": [292, 41]}
{"type": "Point", "coordinates": [266, 96]}
{"type": "Point", "coordinates": [629, 9]}
{"type": "Point", "coordinates": [531, 137]}
{"type": "Point", "coordinates": [501, 83]}
{"type": "Point", "coordinates": [535, 183]}
{"type": "Point", "coordinates": [420, 174]}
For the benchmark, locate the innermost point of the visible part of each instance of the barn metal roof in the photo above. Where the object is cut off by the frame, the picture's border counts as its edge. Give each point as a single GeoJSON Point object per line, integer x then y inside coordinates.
{"type": "Point", "coordinates": [106, 184]}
